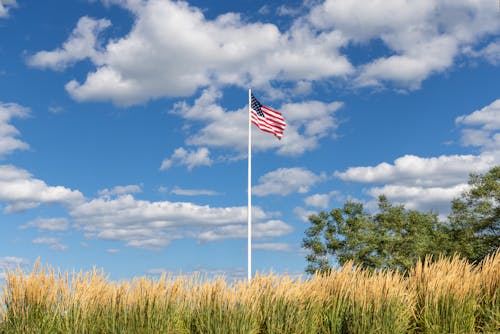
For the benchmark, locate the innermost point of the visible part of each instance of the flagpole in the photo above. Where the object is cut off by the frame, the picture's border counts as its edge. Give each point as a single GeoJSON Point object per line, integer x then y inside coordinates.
{"type": "Point", "coordinates": [249, 192]}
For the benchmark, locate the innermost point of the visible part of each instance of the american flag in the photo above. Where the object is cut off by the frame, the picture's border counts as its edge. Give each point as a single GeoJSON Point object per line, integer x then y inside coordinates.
{"type": "Point", "coordinates": [267, 119]}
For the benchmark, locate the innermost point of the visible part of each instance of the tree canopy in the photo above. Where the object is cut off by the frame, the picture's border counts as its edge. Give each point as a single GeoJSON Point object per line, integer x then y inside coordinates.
{"type": "Point", "coordinates": [395, 237]}
{"type": "Point", "coordinates": [475, 217]}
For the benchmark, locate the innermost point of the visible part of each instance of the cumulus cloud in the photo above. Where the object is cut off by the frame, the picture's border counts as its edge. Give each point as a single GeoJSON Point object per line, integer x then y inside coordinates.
{"type": "Point", "coordinates": [82, 44]}
{"type": "Point", "coordinates": [117, 215]}
{"type": "Point", "coordinates": [490, 52]}
{"type": "Point", "coordinates": [138, 223]}
{"type": "Point", "coordinates": [48, 224]}
{"type": "Point", "coordinates": [318, 200]}
{"type": "Point", "coordinates": [303, 214]}
{"type": "Point", "coordinates": [272, 228]}
{"type": "Point", "coordinates": [415, 197]}
{"type": "Point", "coordinates": [120, 190]}
{"type": "Point", "coordinates": [422, 183]}
{"type": "Point", "coordinates": [5, 6]}
{"type": "Point", "coordinates": [173, 49]}
{"type": "Point", "coordinates": [8, 133]}
{"type": "Point", "coordinates": [193, 192]}
{"type": "Point", "coordinates": [22, 191]}
{"type": "Point", "coordinates": [423, 37]}
{"type": "Point", "coordinates": [222, 129]}
{"type": "Point", "coordinates": [188, 158]}
{"type": "Point", "coordinates": [285, 181]}
{"type": "Point", "coordinates": [273, 246]}
{"type": "Point", "coordinates": [288, 11]}
{"type": "Point", "coordinates": [321, 201]}
{"type": "Point", "coordinates": [432, 183]}
{"type": "Point", "coordinates": [409, 170]}
{"type": "Point", "coordinates": [153, 225]}
{"type": "Point", "coordinates": [129, 211]}
{"type": "Point", "coordinates": [487, 117]}
{"type": "Point", "coordinates": [307, 123]}
{"type": "Point", "coordinates": [53, 243]}
{"type": "Point", "coordinates": [482, 127]}
{"type": "Point", "coordinates": [12, 262]}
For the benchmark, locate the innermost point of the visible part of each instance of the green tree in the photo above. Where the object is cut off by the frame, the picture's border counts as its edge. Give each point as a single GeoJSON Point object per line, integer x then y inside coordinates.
{"type": "Point", "coordinates": [475, 217]}
{"type": "Point", "coordinates": [393, 238]}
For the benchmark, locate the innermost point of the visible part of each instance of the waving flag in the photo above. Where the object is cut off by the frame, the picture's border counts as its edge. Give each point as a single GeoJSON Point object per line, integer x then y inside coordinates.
{"type": "Point", "coordinates": [267, 119]}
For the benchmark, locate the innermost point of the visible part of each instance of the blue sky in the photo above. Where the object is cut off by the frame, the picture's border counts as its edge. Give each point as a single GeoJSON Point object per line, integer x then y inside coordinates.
{"type": "Point", "coordinates": [123, 124]}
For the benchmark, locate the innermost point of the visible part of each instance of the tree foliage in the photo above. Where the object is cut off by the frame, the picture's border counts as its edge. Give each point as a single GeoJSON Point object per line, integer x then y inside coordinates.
{"type": "Point", "coordinates": [395, 237]}
{"type": "Point", "coordinates": [475, 217]}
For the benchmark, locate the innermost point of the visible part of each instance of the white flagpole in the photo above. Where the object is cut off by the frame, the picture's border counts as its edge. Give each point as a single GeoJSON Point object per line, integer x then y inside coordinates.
{"type": "Point", "coordinates": [249, 192]}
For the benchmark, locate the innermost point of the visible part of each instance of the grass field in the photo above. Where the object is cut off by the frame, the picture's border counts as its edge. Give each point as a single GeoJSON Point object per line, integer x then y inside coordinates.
{"type": "Point", "coordinates": [444, 296]}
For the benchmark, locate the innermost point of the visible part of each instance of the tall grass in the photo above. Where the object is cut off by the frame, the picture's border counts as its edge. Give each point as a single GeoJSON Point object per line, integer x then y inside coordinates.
{"type": "Point", "coordinates": [442, 296]}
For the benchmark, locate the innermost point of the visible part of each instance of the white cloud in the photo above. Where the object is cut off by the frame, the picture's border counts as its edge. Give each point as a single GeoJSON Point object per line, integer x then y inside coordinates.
{"type": "Point", "coordinates": [273, 246]}
{"type": "Point", "coordinates": [223, 129]}
{"type": "Point", "coordinates": [302, 87]}
{"type": "Point", "coordinates": [126, 210]}
{"type": "Point", "coordinates": [307, 123]}
{"type": "Point", "coordinates": [412, 170]}
{"type": "Point", "coordinates": [48, 224]}
{"type": "Point", "coordinates": [318, 200]}
{"type": "Point", "coordinates": [193, 192]}
{"type": "Point", "coordinates": [120, 190]}
{"type": "Point", "coordinates": [45, 240]}
{"type": "Point", "coordinates": [432, 183]}
{"type": "Point", "coordinates": [8, 133]}
{"type": "Point", "coordinates": [112, 250]}
{"type": "Point", "coordinates": [421, 198]}
{"type": "Point", "coordinates": [4, 12]}
{"type": "Point", "coordinates": [422, 183]}
{"type": "Point", "coordinates": [173, 50]}
{"type": "Point", "coordinates": [56, 109]}
{"type": "Point", "coordinates": [138, 223]}
{"type": "Point", "coordinates": [5, 6]}
{"type": "Point", "coordinates": [17, 186]}
{"type": "Point", "coordinates": [492, 52]}
{"type": "Point", "coordinates": [264, 10]}
{"type": "Point", "coordinates": [488, 117]}
{"type": "Point", "coordinates": [482, 127]}
{"type": "Point", "coordinates": [54, 243]}
{"type": "Point", "coordinates": [321, 201]}
{"type": "Point", "coordinates": [152, 242]}
{"type": "Point", "coordinates": [288, 11]}
{"type": "Point", "coordinates": [154, 225]}
{"type": "Point", "coordinates": [188, 158]}
{"type": "Point", "coordinates": [81, 44]}
{"type": "Point", "coordinates": [21, 191]}
{"type": "Point", "coordinates": [303, 214]}
{"type": "Point", "coordinates": [422, 37]}
{"type": "Point", "coordinates": [272, 228]}
{"type": "Point", "coordinates": [12, 262]}
{"type": "Point", "coordinates": [409, 70]}
{"type": "Point", "coordinates": [285, 181]}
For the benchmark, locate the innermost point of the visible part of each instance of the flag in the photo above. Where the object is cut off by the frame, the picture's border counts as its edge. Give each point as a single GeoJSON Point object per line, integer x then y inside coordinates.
{"type": "Point", "coordinates": [267, 119]}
